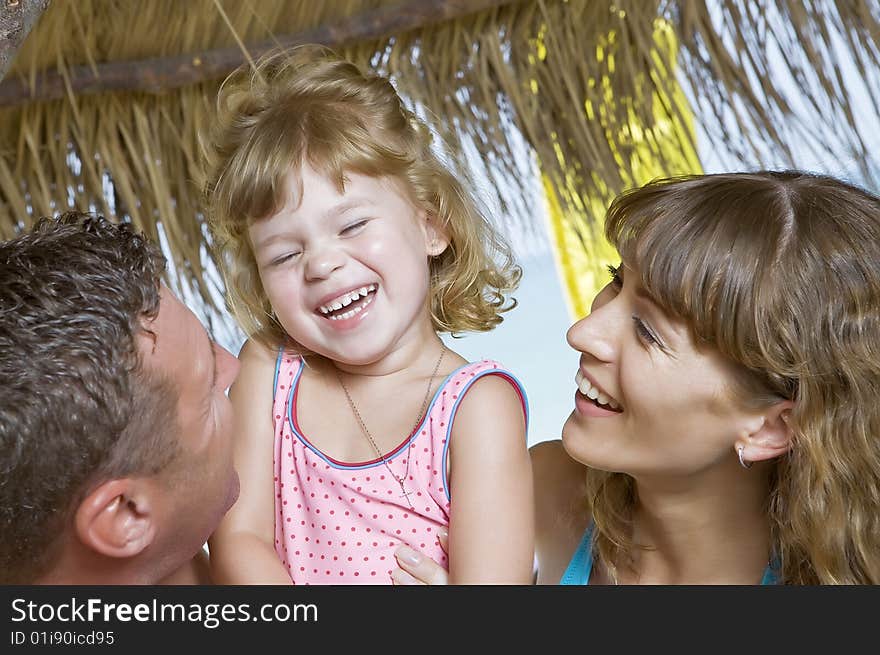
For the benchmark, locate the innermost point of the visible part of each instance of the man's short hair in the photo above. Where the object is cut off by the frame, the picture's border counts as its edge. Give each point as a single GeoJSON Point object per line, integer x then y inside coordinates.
{"type": "Point", "coordinates": [76, 407]}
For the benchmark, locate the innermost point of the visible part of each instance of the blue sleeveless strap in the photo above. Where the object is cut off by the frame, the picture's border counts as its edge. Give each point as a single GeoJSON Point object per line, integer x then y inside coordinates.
{"type": "Point", "coordinates": [581, 564]}
{"type": "Point", "coordinates": [277, 369]}
{"type": "Point", "coordinates": [771, 573]}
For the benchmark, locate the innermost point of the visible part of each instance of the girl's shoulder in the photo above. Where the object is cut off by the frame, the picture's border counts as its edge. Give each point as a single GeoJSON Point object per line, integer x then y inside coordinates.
{"type": "Point", "coordinates": [260, 366]}
{"type": "Point", "coordinates": [486, 388]}
{"type": "Point", "coordinates": [255, 353]}
{"type": "Point", "coordinates": [482, 374]}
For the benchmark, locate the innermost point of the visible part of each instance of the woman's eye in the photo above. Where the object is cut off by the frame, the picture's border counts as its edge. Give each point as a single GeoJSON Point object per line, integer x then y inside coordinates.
{"type": "Point", "coordinates": [644, 333]}
{"type": "Point", "coordinates": [354, 228]}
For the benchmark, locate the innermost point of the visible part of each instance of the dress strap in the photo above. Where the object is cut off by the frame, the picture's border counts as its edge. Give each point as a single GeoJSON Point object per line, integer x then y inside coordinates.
{"type": "Point", "coordinates": [581, 564]}
{"type": "Point", "coordinates": [277, 370]}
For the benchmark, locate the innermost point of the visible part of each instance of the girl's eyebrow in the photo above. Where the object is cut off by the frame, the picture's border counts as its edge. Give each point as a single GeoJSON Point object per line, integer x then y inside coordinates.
{"type": "Point", "coordinates": [347, 205]}
{"type": "Point", "coordinates": [269, 240]}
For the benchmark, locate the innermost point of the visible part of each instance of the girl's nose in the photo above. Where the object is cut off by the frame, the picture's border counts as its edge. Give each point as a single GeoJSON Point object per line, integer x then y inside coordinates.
{"type": "Point", "coordinates": [322, 262]}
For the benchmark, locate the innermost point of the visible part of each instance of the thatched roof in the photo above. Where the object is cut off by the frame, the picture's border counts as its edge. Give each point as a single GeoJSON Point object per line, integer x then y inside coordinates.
{"type": "Point", "coordinates": [115, 96]}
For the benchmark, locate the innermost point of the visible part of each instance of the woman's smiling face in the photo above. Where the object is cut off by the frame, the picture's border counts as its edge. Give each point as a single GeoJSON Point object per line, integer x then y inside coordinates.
{"type": "Point", "coordinates": [662, 406]}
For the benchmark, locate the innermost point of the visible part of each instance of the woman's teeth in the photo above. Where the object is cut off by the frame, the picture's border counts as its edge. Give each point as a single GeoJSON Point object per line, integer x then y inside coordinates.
{"type": "Point", "coordinates": [592, 392]}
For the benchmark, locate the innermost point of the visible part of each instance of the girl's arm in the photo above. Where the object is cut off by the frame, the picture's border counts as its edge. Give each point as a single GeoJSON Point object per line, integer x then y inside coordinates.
{"type": "Point", "coordinates": [491, 529]}
{"type": "Point", "coordinates": [243, 547]}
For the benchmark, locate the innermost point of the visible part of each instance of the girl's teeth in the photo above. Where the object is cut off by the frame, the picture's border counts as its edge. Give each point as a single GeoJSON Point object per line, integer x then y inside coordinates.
{"type": "Point", "coordinates": [351, 312]}
{"type": "Point", "coordinates": [347, 299]}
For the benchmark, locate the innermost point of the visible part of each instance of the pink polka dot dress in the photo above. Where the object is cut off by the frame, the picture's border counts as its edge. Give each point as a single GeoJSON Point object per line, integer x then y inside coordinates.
{"type": "Point", "coordinates": [340, 522]}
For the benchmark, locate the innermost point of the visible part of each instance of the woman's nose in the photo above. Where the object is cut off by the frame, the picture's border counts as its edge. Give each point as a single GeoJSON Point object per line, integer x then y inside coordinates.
{"type": "Point", "coordinates": [598, 334]}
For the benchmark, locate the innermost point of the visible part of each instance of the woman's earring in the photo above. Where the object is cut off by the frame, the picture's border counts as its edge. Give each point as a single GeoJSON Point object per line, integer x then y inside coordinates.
{"type": "Point", "coordinates": [743, 463]}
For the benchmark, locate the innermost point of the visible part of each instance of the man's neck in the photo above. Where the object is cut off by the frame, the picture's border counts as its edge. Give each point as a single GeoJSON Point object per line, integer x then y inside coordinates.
{"type": "Point", "coordinates": [85, 569]}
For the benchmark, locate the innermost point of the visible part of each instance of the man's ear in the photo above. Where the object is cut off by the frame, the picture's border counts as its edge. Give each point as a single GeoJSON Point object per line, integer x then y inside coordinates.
{"type": "Point", "coordinates": [117, 519]}
{"type": "Point", "coordinates": [769, 434]}
{"type": "Point", "coordinates": [436, 240]}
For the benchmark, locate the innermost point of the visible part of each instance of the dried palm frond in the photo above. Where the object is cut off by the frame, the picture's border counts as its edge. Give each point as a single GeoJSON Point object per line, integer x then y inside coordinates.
{"type": "Point", "coordinates": [592, 86]}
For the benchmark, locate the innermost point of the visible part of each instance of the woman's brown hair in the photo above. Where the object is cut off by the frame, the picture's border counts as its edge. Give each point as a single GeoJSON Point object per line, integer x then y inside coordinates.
{"type": "Point", "coordinates": [780, 272]}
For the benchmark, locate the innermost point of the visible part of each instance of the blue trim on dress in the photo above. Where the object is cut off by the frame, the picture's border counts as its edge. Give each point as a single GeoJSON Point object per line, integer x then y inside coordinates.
{"type": "Point", "coordinates": [489, 371]}
{"type": "Point", "coordinates": [402, 448]}
{"type": "Point", "coordinates": [277, 371]}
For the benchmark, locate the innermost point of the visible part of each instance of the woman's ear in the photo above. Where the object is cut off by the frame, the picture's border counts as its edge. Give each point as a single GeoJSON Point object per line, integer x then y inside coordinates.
{"type": "Point", "coordinates": [769, 436]}
{"type": "Point", "coordinates": [116, 519]}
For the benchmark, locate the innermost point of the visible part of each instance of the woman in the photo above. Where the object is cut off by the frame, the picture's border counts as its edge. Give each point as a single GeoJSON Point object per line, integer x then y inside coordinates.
{"type": "Point", "coordinates": [726, 425]}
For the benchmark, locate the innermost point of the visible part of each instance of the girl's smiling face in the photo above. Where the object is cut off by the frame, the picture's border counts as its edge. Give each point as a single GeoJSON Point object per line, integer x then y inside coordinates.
{"type": "Point", "coordinates": [662, 406]}
{"type": "Point", "coordinates": [346, 271]}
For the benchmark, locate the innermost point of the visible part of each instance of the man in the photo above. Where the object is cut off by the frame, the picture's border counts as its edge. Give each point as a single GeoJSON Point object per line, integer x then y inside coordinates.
{"type": "Point", "coordinates": [115, 429]}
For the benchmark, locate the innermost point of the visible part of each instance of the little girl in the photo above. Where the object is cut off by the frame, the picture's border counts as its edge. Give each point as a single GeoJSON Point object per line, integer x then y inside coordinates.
{"type": "Point", "coordinates": [347, 247]}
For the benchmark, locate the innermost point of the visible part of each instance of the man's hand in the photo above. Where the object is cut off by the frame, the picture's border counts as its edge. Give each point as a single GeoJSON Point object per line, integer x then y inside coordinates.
{"type": "Point", "coordinates": [417, 568]}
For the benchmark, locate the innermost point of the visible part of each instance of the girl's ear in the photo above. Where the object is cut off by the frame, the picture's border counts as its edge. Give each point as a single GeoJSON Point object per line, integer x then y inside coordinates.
{"type": "Point", "coordinates": [436, 240]}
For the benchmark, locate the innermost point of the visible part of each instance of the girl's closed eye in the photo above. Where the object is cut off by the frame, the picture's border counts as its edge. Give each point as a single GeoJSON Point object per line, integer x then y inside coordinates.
{"type": "Point", "coordinates": [286, 257]}
{"type": "Point", "coordinates": [354, 228]}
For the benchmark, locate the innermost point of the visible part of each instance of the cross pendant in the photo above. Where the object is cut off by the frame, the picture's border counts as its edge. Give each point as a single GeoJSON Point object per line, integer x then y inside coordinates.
{"type": "Point", "coordinates": [406, 494]}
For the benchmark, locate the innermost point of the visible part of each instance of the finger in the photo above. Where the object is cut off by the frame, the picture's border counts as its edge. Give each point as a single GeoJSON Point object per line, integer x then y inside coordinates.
{"type": "Point", "coordinates": [421, 567]}
{"type": "Point", "coordinates": [443, 538]}
{"type": "Point", "coordinates": [401, 577]}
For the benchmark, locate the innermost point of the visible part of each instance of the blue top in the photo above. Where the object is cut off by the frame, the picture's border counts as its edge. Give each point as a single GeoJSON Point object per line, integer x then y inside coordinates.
{"type": "Point", "coordinates": [578, 571]}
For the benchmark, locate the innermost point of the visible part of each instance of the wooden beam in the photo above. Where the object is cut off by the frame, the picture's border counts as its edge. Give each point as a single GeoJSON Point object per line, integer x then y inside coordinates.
{"type": "Point", "coordinates": [162, 74]}
{"type": "Point", "coordinates": [17, 17]}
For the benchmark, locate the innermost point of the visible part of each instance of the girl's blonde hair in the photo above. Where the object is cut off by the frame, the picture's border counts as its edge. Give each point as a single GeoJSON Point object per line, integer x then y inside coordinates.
{"type": "Point", "coordinates": [780, 272]}
{"type": "Point", "coordinates": [309, 105]}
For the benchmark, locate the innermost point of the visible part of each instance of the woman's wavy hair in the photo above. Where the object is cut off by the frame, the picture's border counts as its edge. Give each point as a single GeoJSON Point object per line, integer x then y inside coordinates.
{"type": "Point", "coordinates": [780, 272]}
{"type": "Point", "coordinates": [308, 105]}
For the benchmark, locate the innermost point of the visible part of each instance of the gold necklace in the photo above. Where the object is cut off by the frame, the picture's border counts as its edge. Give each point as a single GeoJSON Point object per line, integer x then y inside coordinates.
{"type": "Point", "coordinates": [404, 493]}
